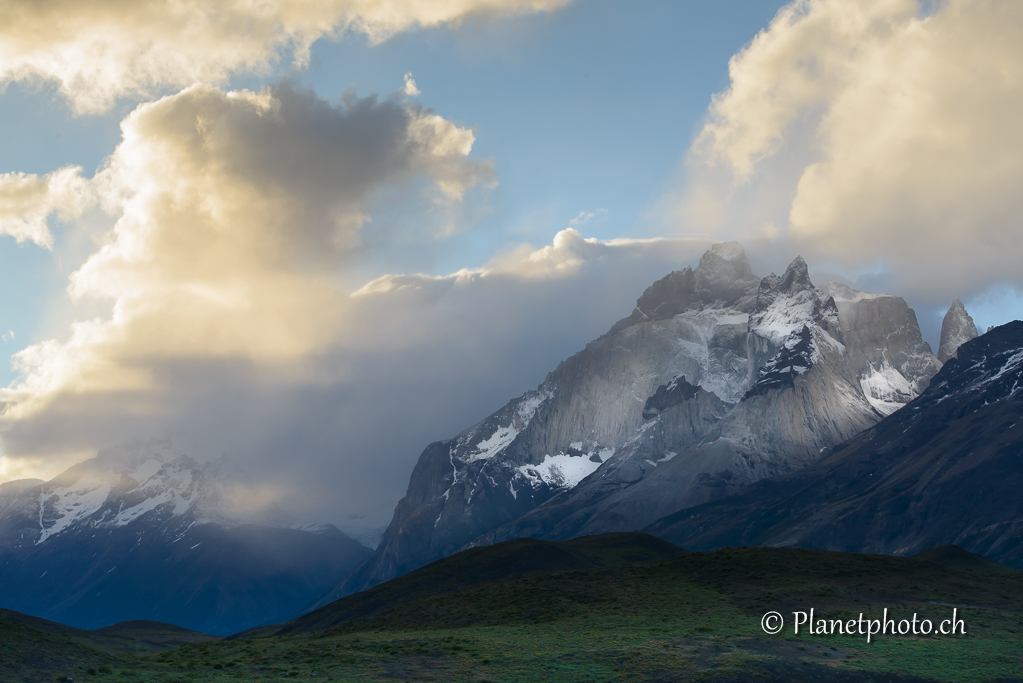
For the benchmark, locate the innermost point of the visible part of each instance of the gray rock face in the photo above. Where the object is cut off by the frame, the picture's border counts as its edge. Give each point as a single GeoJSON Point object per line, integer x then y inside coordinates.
{"type": "Point", "coordinates": [957, 328]}
{"type": "Point", "coordinates": [717, 379]}
{"type": "Point", "coordinates": [892, 362]}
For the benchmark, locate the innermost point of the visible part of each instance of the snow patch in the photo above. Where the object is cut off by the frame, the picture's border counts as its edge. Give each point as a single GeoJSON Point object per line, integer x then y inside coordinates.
{"type": "Point", "coordinates": [785, 317]}
{"type": "Point", "coordinates": [71, 505]}
{"type": "Point", "coordinates": [886, 388]}
{"type": "Point", "coordinates": [143, 472]}
{"type": "Point", "coordinates": [559, 471]}
{"type": "Point", "coordinates": [503, 436]}
{"type": "Point", "coordinates": [488, 448]}
{"type": "Point", "coordinates": [563, 470]}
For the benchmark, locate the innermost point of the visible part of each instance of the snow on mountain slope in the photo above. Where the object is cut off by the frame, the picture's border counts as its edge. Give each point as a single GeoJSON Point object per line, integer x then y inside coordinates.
{"type": "Point", "coordinates": [149, 481]}
{"type": "Point", "coordinates": [146, 531]}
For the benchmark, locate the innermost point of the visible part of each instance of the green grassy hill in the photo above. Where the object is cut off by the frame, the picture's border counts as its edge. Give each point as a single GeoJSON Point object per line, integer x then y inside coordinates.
{"type": "Point", "coordinates": [691, 617]}
{"type": "Point", "coordinates": [490, 563]}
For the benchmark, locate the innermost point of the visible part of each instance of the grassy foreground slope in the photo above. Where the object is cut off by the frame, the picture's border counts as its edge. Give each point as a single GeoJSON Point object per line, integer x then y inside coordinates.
{"type": "Point", "coordinates": [694, 617]}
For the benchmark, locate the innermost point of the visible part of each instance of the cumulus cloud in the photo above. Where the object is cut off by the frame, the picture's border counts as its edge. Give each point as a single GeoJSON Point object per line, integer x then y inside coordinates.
{"type": "Point", "coordinates": [100, 50]}
{"type": "Point", "coordinates": [889, 136]}
{"type": "Point", "coordinates": [229, 207]}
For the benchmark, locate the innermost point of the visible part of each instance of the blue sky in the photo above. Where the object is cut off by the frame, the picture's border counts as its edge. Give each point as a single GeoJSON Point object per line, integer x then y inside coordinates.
{"type": "Point", "coordinates": [296, 261]}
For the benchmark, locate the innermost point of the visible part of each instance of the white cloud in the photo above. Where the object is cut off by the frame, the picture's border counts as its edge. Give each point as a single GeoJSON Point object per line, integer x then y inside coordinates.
{"type": "Point", "coordinates": [890, 136]}
{"type": "Point", "coordinates": [410, 88]}
{"type": "Point", "coordinates": [584, 217]}
{"type": "Point", "coordinates": [26, 201]}
{"type": "Point", "coordinates": [100, 50]}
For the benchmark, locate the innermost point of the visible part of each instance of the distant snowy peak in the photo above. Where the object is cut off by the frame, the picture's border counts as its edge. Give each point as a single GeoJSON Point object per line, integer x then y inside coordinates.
{"type": "Point", "coordinates": [149, 481]}
{"type": "Point", "coordinates": [957, 328]}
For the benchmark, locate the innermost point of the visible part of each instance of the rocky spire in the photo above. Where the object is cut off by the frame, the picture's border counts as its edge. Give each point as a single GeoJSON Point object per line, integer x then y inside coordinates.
{"type": "Point", "coordinates": [956, 329]}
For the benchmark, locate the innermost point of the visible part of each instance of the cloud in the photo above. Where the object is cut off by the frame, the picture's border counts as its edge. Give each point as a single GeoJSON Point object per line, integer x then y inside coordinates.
{"type": "Point", "coordinates": [874, 133]}
{"type": "Point", "coordinates": [26, 201]}
{"type": "Point", "coordinates": [410, 88]}
{"type": "Point", "coordinates": [585, 217]}
{"type": "Point", "coordinates": [231, 210]}
{"type": "Point", "coordinates": [100, 50]}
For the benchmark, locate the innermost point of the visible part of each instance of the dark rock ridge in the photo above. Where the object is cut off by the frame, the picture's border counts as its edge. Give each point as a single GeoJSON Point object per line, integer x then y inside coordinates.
{"type": "Point", "coordinates": [957, 328]}
{"type": "Point", "coordinates": [945, 470]}
{"type": "Point", "coordinates": [717, 379]}
{"type": "Point", "coordinates": [146, 532]}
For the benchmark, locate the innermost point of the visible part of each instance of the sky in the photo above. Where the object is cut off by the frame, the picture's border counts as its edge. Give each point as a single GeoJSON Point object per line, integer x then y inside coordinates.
{"type": "Point", "coordinates": [316, 236]}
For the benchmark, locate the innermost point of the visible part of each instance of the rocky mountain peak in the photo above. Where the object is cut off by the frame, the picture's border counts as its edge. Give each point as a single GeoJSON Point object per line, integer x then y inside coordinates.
{"type": "Point", "coordinates": [796, 277]}
{"type": "Point", "coordinates": [724, 278]}
{"type": "Point", "coordinates": [667, 297]}
{"type": "Point", "coordinates": [957, 328]}
{"type": "Point", "coordinates": [794, 280]}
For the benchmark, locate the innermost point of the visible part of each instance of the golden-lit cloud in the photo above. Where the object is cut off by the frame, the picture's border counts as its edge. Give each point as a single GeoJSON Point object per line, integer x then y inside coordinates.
{"type": "Point", "coordinates": [890, 135]}
{"type": "Point", "coordinates": [231, 208]}
{"type": "Point", "coordinates": [100, 50]}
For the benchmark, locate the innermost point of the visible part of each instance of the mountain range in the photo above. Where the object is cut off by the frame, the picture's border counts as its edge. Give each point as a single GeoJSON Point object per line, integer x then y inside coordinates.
{"type": "Point", "coordinates": [717, 380]}
{"type": "Point", "coordinates": [945, 470]}
{"type": "Point", "coordinates": [146, 531]}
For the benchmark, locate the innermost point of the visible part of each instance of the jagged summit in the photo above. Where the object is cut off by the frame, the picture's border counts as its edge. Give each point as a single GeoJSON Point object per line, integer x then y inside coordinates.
{"type": "Point", "coordinates": [796, 277]}
{"type": "Point", "coordinates": [722, 279]}
{"type": "Point", "coordinates": [957, 328]}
